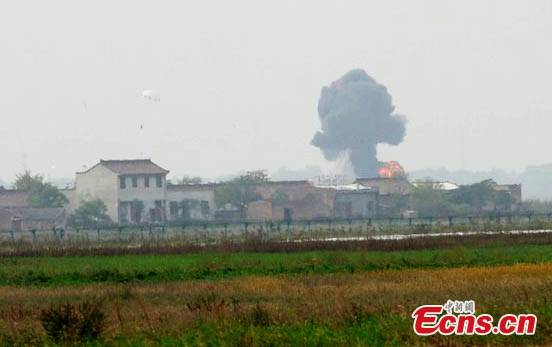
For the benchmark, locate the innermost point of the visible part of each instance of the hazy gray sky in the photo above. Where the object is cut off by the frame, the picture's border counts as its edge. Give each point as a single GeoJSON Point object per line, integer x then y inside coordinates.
{"type": "Point", "coordinates": [240, 80]}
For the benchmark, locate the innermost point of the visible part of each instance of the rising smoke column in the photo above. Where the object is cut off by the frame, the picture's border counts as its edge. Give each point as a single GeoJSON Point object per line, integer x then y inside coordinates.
{"type": "Point", "coordinates": [356, 113]}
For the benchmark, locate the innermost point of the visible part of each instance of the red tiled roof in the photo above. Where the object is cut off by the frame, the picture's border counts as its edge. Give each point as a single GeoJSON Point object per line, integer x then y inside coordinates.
{"type": "Point", "coordinates": [132, 167]}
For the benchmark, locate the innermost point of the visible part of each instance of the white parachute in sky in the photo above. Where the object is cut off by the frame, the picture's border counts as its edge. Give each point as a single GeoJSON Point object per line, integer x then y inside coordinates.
{"type": "Point", "coordinates": [151, 95]}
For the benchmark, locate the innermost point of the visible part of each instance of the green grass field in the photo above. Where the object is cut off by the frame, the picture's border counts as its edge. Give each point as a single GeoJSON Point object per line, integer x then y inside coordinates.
{"type": "Point", "coordinates": [74, 270]}
{"type": "Point", "coordinates": [313, 298]}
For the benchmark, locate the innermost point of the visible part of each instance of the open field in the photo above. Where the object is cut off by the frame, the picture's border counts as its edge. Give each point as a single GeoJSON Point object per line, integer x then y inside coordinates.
{"type": "Point", "coordinates": [76, 270]}
{"type": "Point", "coordinates": [367, 308]}
{"type": "Point", "coordinates": [304, 296]}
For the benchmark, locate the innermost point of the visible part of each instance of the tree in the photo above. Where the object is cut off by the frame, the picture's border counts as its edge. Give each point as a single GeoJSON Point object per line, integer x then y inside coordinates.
{"type": "Point", "coordinates": [476, 195]}
{"type": "Point", "coordinates": [46, 195]}
{"type": "Point", "coordinates": [429, 202]}
{"type": "Point", "coordinates": [41, 194]}
{"type": "Point", "coordinates": [241, 190]}
{"type": "Point", "coordinates": [90, 214]}
{"type": "Point", "coordinates": [25, 181]}
{"type": "Point", "coordinates": [189, 180]}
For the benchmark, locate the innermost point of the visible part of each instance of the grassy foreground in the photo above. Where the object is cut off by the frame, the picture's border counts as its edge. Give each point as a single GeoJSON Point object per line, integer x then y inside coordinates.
{"type": "Point", "coordinates": [314, 298]}
{"type": "Point", "coordinates": [371, 308]}
{"type": "Point", "coordinates": [77, 270]}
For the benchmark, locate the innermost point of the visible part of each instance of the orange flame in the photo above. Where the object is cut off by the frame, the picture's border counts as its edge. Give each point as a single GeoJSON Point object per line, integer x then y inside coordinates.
{"type": "Point", "coordinates": [391, 169]}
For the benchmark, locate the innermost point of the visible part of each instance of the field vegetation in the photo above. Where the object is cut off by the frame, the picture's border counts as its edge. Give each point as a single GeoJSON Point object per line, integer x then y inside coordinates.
{"type": "Point", "coordinates": [256, 293]}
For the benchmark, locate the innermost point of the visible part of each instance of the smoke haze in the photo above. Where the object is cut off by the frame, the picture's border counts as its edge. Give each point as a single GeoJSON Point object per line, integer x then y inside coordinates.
{"type": "Point", "coordinates": [356, 114]}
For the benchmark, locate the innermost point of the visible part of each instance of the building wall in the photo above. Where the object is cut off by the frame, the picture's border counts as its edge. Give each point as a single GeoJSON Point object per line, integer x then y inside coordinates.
{"type": "Point", "coordinates": [388, 186]}
{"type": "Point", "coordinates": [13, 198]}
{"type": "Point", "coordinates": [6, 217]}
{"type": "Point", "coordinates": [71, 195]}
{"type": "Point", "coordinates": [295, 190]}
{"type": "Point", "coordinates": [147, 195]}
{"type": "Point", "coordinates": [356, 204]}
{"type": "Point", "coordinates": [260, 210]}
{"type": "Point", "coordinates": [97, 183]}
{"type": "Point", "coordinates": [303, 210]}
{"type": "Point", "coordinates": [304, 201]}
{"type": "Point", "coordinates": [513, 189]}
{"type": "Point", "coordinates": [197, 192]}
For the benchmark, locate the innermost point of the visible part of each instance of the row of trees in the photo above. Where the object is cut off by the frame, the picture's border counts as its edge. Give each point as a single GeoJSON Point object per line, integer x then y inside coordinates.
{"type": "Point", "coordinates": [471, 199]}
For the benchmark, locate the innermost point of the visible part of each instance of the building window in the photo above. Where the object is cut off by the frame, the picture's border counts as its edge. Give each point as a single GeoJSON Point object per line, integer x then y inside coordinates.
{"type": "Point", "coordinates": [159, 181]}
{"type": "Point", "coordinates": [204, 208]}
{"type": "Point", "coordinates": [122, 182]}
{"type": "Point", "coordinates": [146, 181]}
{"type": "Point", "coordinates": [134, 181]}
{"type": "Point", "coordinates": [173, 209]}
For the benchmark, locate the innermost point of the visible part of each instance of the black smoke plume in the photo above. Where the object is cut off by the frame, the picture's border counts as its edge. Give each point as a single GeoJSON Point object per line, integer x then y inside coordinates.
{"type": "Point", "coordinates": [356, 113]}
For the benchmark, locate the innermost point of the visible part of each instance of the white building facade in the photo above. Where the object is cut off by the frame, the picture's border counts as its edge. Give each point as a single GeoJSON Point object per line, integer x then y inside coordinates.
{"type": "Point", "coordinates": [137, 191]}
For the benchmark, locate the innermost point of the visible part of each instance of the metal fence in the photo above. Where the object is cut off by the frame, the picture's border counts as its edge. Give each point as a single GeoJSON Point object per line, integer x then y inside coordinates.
{"type": "Point", "coordinates": [212, 231]}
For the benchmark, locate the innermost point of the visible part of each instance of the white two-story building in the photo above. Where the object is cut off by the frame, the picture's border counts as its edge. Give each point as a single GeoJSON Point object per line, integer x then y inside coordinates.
{"type": "Point", "coordinates": [137, 191]}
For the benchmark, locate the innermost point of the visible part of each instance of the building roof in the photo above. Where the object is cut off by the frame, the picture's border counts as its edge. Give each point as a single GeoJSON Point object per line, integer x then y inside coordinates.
{"type": "Point", "coordinates": [132, 167]}
{"type": "Point", "coordinates": [352, 187]}
{"type": "Point", "coordinates": [444, 185]}
{"type": "Point", "coordinates": [13, 198]}
{"type": "Point", "coordinates": [192, 187]}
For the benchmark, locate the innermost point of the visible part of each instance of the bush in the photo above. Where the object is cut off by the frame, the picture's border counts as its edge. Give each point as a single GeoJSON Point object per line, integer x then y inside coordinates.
{"type": "Point", "coordinates": [73, 323]}
{"type": "Point", "coordinates": [260, 316]}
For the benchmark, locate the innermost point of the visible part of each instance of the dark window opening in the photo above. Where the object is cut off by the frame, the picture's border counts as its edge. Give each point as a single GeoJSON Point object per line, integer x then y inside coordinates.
{"type": "Point", "coordinates": [136, 208]}
{"type": "Point", "coordinates": [173, 209]}
{"type": "Point", "coordinates": [205, 208]}
{"type": "Point", "coordinates": [146, 181]}
{"type": "Point", "coordinates": [288, 214]}
{"type": "Point", "coordinates": [122, 182]}
{"type": "Point", "coordinates": [159, 181]}
{"type": "Point", "coordinates": [134, 181]}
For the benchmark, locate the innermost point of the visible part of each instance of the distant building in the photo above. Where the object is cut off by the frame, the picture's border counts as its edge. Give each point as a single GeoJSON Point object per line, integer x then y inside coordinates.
{"type": "Point", "coordinates": [390, 192]}
{"type": "Point", "coordinates": [388, 185]}
{"type": "Point", "coordinates": [513, 189]}
{"type": "Point", "coordinates": [191, 201]}
{"type": "Point", "coordinates": [286, 200]}
{"type": "Point", "coordinates": [28, 218]}
{"type": "Point", "coordinates": [134, 191]}
{"type": "Point", "coordinates": [356, 201]}
{"type": "Point", "coordinates": [302, 200]}
{"type": "Point", "coordinates": [437, 185]}
{"type": "Point", "coordinates": [13, 198]}
{"type": "Point", "coordinates": [137, 191]}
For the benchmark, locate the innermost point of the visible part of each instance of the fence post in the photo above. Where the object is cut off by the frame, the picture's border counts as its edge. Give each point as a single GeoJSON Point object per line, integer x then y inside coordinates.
{"type": "Point", "coordinates": [450, 220]}
{"type": "Point", "coordinates": [98, 231]}
{"type": "Point", "coordinates": [33, 231]}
